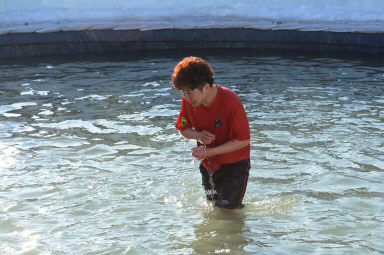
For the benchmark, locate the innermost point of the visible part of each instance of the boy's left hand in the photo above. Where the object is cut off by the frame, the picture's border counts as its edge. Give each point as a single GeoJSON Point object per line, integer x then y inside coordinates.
{"type": "Point", "coordinates": [199, 152]}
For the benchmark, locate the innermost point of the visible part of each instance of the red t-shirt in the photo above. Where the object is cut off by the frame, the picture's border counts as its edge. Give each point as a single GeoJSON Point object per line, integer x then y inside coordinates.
{"type": "Point", "coordinates": [225, 117]}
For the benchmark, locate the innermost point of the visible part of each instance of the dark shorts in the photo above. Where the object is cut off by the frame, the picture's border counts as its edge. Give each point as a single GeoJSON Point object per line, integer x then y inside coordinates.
{"type": "Point", "coordinates": [227, 185]}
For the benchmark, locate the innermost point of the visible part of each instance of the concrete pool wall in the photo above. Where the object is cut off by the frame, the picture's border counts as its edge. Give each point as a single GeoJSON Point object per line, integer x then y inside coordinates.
{"type": "Point", "coordinates": [109, 40]}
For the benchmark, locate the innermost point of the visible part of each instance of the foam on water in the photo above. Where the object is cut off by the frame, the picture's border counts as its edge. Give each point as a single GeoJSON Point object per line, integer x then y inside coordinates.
{"type": "Point", "coordinates": [4, 109]}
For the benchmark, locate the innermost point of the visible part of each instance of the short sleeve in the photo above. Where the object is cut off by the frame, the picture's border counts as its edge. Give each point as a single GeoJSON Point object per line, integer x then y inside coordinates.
{"type": "Point", "coordinates": [183, 121]}
{"type": "Point", "coordinates": [240, 124]}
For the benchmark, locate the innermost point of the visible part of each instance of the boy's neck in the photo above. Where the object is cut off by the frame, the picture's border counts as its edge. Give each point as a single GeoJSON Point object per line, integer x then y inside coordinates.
{"type": "Point", "coordinates": [211, 95]}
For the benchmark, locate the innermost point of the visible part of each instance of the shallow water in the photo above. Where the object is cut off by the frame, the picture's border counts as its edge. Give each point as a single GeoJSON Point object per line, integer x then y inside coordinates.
{"type": "Point", "coordinates": [90, 161]}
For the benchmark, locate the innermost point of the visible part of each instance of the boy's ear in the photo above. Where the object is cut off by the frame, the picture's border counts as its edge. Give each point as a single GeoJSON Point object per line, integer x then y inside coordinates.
{"type": "Point", "coordinates": [206, 86]}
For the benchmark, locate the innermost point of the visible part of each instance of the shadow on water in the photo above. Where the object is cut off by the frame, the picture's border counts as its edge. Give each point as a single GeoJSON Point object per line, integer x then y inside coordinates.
{"type": "Point", "coordinates": [176, 55]}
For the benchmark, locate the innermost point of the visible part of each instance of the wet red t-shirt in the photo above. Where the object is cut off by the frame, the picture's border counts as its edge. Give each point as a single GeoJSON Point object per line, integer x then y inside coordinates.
{"type": "Point", "coordinates": [225, 117]}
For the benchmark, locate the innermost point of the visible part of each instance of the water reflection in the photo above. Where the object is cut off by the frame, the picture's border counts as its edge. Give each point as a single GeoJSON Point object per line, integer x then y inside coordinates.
{"type": "Point", "coordinates": [7, 156]}
{"type": "Point", "coordinates": [220, 232]}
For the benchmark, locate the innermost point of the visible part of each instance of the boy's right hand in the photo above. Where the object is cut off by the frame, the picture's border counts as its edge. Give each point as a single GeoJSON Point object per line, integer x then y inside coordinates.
{"type": "Point", "coordinates": [206, 137]}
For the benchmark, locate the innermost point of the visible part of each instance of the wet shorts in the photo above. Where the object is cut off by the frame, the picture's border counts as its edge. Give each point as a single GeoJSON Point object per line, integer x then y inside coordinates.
{"type": "Point", "coordinates": [227, 185]}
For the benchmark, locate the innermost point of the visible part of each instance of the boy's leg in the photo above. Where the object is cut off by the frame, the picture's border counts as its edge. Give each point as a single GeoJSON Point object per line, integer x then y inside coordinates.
{"type": "Point", "coordinates": [208, 184]}
{"type": "Point", "coordinates": [231, 182]}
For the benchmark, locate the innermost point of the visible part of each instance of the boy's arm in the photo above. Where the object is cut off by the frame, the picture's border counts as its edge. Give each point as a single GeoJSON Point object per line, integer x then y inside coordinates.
{"type": "Point", "coordinates": [204, 136]}
{"type": "Point", "coordinates": [202, 152]}
{"type": "Point", "coordinates": [189, 133]}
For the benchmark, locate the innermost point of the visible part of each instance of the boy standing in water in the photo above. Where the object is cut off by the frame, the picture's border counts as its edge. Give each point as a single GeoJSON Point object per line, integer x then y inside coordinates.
{"type": "Point", "coordinates": [214, 116]}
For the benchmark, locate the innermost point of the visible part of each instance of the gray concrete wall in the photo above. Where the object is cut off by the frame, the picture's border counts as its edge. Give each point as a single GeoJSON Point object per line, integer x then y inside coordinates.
{"type": "Point", "coordinates": [97, 41]}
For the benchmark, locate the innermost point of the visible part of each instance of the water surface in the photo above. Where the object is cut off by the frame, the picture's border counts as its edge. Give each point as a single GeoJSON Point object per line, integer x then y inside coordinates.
{"type": "Point", "coordinates": [90, 161]}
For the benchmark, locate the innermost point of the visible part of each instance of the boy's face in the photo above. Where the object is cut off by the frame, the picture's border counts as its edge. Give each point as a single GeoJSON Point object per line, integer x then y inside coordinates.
{"type": "Point", "coordinates": [194, 97]}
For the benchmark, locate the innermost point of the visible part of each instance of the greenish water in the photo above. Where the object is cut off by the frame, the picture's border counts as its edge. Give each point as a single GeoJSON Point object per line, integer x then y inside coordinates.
{"type": "Point", "coordinates": [90, 161]}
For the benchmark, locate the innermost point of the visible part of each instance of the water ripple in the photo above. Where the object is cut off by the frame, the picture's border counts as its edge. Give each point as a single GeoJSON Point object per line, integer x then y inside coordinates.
{"type": "Point", "coordinates": [90, 159]}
